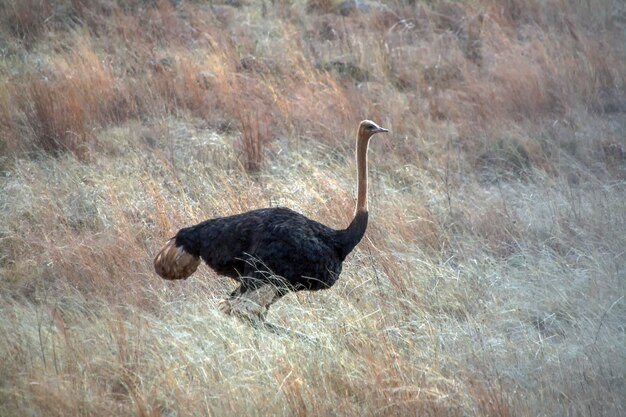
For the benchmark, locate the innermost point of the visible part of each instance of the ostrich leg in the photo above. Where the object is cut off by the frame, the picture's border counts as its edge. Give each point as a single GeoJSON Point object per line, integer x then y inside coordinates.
{"type": "Point", "coordinates": [250, 304]}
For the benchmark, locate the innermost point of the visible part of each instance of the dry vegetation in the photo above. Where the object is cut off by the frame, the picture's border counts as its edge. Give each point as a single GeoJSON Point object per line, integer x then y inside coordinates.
{"type": "Point", "coordinates": [491, 281]}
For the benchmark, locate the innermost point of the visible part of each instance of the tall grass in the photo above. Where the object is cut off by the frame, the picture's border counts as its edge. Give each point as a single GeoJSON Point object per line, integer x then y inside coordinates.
{"type": "Point", "coordinates": [490, 280]}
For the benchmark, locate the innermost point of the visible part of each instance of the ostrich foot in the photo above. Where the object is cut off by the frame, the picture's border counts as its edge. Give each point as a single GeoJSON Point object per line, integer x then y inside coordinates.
{"type": "Point", "coordinates": [254, 314]}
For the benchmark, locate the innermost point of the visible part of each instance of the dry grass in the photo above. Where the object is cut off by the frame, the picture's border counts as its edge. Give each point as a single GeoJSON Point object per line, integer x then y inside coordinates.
{"type": "Point", "coordinates": [491, 279]}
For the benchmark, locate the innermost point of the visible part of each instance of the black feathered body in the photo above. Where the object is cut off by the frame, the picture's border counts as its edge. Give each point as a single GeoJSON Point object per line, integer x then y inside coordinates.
{"type": "Point", "coordinates": [276, 245]}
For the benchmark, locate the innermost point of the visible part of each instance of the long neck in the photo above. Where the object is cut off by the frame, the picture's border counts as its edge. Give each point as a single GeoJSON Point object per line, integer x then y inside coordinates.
{"type": "Point", "coordinates": [355, 231]}
{"type": "Point", "coordinates": [361, 169]}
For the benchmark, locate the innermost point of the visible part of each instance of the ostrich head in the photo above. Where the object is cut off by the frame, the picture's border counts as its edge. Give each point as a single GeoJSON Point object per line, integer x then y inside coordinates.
{"type": "Point", "coordinates": [367, 128]}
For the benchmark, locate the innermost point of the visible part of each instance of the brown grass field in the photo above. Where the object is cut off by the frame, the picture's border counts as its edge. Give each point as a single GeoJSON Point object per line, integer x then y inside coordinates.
{"type": "Point", "coordinates": [491, 280]}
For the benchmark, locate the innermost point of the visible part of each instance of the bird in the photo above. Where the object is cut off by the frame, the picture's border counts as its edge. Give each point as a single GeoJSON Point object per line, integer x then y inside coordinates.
{"type": "Point", "coordinates": [270, 251]}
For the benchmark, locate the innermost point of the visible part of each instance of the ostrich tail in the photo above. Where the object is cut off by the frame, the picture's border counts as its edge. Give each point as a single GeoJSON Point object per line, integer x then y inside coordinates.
{"type": "Point", "coordinates": [174, 262]}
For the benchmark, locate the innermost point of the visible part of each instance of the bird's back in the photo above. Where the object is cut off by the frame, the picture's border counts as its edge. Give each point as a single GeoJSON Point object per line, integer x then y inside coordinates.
{"type": "Point", "coordinates": [278, 241]}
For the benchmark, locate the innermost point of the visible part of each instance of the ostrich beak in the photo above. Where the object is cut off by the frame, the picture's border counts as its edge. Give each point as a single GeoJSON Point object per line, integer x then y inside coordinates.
{"type": "Point", "coordinates": [381, 130]}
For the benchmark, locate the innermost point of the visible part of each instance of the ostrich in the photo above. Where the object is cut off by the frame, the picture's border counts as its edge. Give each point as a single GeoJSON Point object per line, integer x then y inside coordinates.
{"type": "Point", "coordinates": [270, 251]}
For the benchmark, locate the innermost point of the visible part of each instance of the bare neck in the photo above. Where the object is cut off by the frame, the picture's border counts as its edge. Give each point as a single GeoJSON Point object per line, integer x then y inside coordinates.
{"type": "Point", "coordinates": [355, 231]}
{"type": "Point", "coordinates": [361, 167]}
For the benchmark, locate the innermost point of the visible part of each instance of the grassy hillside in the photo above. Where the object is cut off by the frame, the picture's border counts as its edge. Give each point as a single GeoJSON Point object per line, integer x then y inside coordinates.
{"type": "Point", "coordinates": [491, 280]}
